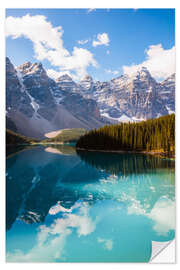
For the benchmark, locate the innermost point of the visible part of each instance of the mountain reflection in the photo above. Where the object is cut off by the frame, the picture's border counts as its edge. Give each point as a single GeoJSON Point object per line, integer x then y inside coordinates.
{"type": "Point", "coordinates": [37, 179]}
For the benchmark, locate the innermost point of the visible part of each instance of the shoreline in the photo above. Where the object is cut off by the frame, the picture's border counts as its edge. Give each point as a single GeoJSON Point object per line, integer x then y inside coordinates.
{"type": "Point", "coordinates": [153, 153]}
{"type": "Point", "coordinates": [38, 143]}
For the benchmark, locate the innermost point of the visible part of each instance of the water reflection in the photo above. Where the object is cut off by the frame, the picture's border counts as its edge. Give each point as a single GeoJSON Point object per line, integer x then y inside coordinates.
{"type": "Point", "coordinates": [107, 205]}
{"type": "Point", "coordinates": [125, 163]}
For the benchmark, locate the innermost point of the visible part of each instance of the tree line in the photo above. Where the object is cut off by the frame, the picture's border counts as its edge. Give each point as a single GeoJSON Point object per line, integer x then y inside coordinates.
{"type": "Point", "coordinates": [151, 135]}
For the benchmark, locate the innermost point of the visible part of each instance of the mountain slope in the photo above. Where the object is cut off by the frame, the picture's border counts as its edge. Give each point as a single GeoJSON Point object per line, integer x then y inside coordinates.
{"type": "Point", "coordinates": [167, 93]}
{"type": "Point", "coordinates": [132, 97]}
{"type": "Point", "coordinates": [36, 104]}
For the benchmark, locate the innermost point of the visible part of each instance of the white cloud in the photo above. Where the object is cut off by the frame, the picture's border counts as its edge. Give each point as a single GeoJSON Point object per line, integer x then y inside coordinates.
{"type": "Point", "coordinates": [82, 42]}
{"type": "Point", "coordinates": [102, 39]}
{"type": "Point", "coordinates": [48, 44]}
{"type": "Point", "coordinates": [159, 62]}
{"type": "Point", "coordinates": [114, 72]}
{"type": "Point", "coordinates": [108, 52]}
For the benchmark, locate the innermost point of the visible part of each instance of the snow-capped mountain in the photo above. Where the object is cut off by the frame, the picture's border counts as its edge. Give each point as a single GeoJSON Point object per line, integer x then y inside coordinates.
{"type": "Point", "coordinates": [133, 98]}
{"type": "Point", "coordinates": [87, 82]}
{"type": "Point", "coordinates": [66, 83]}
{"type": "Point", "coordinates": [36, 104]}
{"type": "Point", "coordinates": [167, 93]}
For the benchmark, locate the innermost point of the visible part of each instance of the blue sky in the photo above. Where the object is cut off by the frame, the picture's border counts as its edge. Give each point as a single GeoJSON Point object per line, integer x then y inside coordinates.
{"type": "Point", "coordinates": [132, 38]}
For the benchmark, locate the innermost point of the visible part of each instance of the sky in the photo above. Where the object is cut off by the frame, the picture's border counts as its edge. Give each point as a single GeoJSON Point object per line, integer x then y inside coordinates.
{"type": "Point", "coordinates": [104, 43]}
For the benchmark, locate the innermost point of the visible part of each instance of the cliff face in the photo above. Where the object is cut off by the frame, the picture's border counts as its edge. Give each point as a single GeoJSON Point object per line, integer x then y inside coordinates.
{"type": "Point", "coordinates": [132, 98]}
{"type": "Point", "coordinates": [37, 104]}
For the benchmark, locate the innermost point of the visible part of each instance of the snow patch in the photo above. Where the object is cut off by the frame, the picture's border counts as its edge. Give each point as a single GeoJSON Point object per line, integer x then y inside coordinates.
{"type": "Point", "coordinates": [20, 78]}
{"type": "Point", "coordinates": [137, 119]}
{"type": "Point", "coordinates": [169, 110]}
{"type": "Point", "coordinates": [33, 103]}
{"type": "Point", "coordinates": [122, 118]}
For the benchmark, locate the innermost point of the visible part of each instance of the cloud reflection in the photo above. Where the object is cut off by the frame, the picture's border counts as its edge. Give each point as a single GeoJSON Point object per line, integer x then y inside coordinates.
{"type": "Point", "coordinates": [108, 243]}
{"type": "Point", "coordinates": [162, 214]}
{"type": "Point", "coordinates": [51, 239]}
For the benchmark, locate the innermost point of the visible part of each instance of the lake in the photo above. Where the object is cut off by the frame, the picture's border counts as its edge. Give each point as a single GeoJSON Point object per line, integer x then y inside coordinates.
{"type": "Point", "coordinates": [68, 206]}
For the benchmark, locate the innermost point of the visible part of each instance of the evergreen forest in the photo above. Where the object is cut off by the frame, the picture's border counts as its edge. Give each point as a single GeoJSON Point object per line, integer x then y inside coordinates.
{"type": "Point", "coordinates": [156, 135]}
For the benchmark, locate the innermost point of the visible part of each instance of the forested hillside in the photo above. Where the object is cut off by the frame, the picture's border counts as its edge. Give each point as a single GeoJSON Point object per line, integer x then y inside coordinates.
{"type": "Point", "coordinates": [151, 135]}
{"type": "Point", "coordinates": [13, 138]}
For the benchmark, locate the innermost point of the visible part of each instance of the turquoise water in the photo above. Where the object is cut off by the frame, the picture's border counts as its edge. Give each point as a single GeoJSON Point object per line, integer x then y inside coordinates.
{"type": "Point", "coordinates": [63, 206]}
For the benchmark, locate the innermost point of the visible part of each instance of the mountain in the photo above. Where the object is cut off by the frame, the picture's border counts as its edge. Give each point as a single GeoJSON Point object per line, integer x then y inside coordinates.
{"type": "Point", "coordinates": [36, 104]}
{"type": "Point", "coordinates": [65, 82]}
{"type": "Point", "coordinates": [132, 97]}
{"type": "Point", "coordinates": [167, 93]}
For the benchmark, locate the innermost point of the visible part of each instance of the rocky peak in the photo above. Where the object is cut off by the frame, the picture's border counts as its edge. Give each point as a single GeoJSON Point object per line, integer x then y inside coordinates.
{"type": "Point", "coordinates": [169, 80]}
{"type": "Point", "coordinates": [87, 78]}
{"type": "Point", "coordinates": [66, 83]}
{"type": "Point", "coordinates": [137, 96]}
{"type": "Point", "coordinates": [64, 78]}
{"type": "Point", "coordinates": [144, 70]}
{"type": "Point", "coordinates": [8, 62]}
{"type": "Point", "coordinates": [140, 74]}
{"type": "Point", "coordinates": [9, 67]}
{"type": "Point", "coordinates": [144, 75]}
{"type": "Point", "coordinates": [87, 82]}
{"type": "Point", "coordinates": [119, 79]}
{"type": "Point", "coordinates": [172, 77]}
{"type": "Point", "coordinates": [24, 67]}
{"type": "Point", "coordinates": [29, 69]}
{"type": "Point", "coordinates": [16, 98]}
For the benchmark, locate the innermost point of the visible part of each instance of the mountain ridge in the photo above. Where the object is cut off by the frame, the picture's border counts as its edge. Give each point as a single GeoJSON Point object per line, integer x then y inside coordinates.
{"type": "Point", "coordinates": [119, 99]}
{"type": "Point", "coordinates": [37, 104]}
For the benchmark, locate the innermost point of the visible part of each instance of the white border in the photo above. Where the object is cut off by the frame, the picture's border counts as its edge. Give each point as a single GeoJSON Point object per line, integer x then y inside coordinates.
{"type": "Point", "coordinates": [76, 4]}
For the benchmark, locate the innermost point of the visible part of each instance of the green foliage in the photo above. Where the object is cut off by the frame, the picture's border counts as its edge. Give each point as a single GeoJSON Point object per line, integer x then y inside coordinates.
{"type": "Point", "coordinates": [13, 138]}
{"type": "Point", "coordinates": [151, 135]}
{"type": "Point", "coordinates": [67, 135]}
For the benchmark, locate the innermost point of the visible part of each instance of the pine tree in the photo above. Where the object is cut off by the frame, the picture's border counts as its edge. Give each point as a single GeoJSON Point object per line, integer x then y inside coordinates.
{"type": "Point", "coordinates": [154, 134]}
